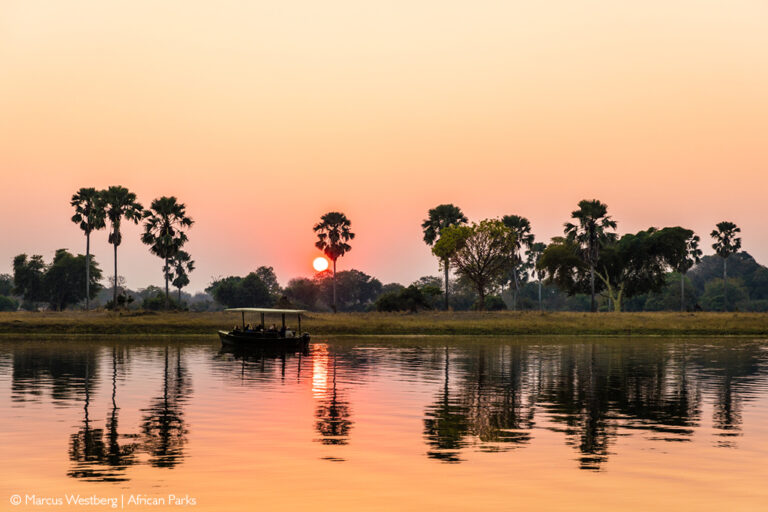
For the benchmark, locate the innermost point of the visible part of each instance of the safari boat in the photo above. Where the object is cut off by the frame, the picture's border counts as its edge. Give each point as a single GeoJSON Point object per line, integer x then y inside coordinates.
{"type": "Point", "coordinates": [261, 336]}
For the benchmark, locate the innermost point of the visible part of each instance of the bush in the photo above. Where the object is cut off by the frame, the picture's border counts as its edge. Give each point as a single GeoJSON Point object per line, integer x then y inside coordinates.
{"type": "Point", "coordinates": [712, 299]}
{"type": "Point", "coordinates": [156, 302]}
{"type": "Point", "coordinates": [123, 300]}
{"type": "Point", "coordinates": [8, 304]}
{"type": "Point", "coordinates": [408, 299]}
{"type": "Point", "coordinates": [494, 303]}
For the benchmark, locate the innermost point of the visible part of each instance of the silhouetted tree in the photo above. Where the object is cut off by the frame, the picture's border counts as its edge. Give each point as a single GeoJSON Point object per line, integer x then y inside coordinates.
{"type": "Point", "coordinates": [333, 233]}
{"type": "Point", "coordinates": [180, 265]}
{"type": "Point", "coordinates": [439, 218]}
{"type": "Point", "coordinates": [590, 233]}
{"type": "Point", "coordinates": [119, 203]}
{"type": "Point", "coordinates": [726, 243]}
{"type": "Point", "coordinates": [691, 257]}
{"type": "Point", "coordinates": [89, 216]}
{"type": "Point", "coordinates": [164, 225]}
{"type": "Point", "coordinates": [521, 229]}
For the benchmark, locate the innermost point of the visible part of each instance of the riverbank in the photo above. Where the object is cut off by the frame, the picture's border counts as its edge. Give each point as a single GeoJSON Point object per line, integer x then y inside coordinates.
{"type": "Point", "coordinates": [428, 323]}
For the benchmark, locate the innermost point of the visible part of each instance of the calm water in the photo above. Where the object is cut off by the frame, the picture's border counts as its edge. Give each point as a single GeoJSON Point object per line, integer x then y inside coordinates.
{"type": "Point", "coordinates": [459, 424]}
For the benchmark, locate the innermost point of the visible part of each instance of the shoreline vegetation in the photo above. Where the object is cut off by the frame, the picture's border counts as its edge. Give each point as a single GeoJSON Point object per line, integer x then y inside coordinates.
{"type": "Point", "coordinates": [400, 324]}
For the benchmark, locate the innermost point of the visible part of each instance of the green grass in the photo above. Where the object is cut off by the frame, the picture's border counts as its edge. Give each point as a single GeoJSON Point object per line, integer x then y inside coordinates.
{"type": "Point", "coordinates": [430, 323]}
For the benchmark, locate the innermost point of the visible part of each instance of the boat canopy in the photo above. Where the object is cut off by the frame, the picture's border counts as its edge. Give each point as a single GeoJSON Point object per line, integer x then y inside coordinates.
{"type": "Point", "coordinates": [266, 310]}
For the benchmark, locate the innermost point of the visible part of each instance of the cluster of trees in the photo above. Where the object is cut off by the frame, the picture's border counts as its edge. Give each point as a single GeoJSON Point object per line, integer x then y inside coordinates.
{"type": "Point", "coordinates": [165, 225]}
{"type": "Point", "coordinates": [57, 284]}
{"type": "Point", "coordinates": [497, 263]}
{"type": "Point", "coordinates": [590, 258]}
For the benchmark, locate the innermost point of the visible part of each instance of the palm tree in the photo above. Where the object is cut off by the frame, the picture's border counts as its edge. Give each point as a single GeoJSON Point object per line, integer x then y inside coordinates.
{"type": "Point", "coordinates": [332, 236]}
{"type": "Point", "coordinates": [726, 243]}
{"type": "Point", "coordinates": [692, 257]}
{"type": "Point", "coordinates": [90, 215]}
{"type": "Point", "coordinates": [119, 202]}
{"type": "Point", "coordinates": [590, 234]}
{"type": "Point", "coordinates": [180, 266]}
{"type": "Point", "coordinates": [521, 229]}
{"type": "Point", "coordinates": [163, 225]}
{"type": "Point", "coordinates": [535, 251]}
{"type": "Point", "coordinates": [439, 218]}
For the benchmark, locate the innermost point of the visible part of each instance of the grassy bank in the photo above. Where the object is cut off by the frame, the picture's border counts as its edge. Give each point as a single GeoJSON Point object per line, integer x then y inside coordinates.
{"type": "Point", "coordinates": [466, 323]}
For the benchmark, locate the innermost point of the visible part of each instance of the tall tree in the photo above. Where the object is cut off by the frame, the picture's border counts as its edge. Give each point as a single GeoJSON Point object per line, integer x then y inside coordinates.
{"type": "Point", "coordinates": [590, 233]}
{"type": "Point", "coordinates": [333, 233]}
{"type": "Point", "coordinates": [119, 203]}
{"type": "Point", "coordinates": [64, 277]}
{"type": "Point", "coordinates": [691, 257]}
{"type": "Point", "coordinates": [480, 252]}
{"type": "Point", "coordinates": [534, 255]}
{"type": "Point", "coordinates": [164, 225]}
{"type": "Point", "coordinates": [90, 216]}
{"type": "Point", "coordinates": [521, 229]}
{"type": "Point", "coordinates": [180, 265]}
{"type": "Point", "coordinates": [439, 218]}
{"type": "Point", "coordinates": [726, 243]}
{"type": "Point", "coordinates": [29, 278]}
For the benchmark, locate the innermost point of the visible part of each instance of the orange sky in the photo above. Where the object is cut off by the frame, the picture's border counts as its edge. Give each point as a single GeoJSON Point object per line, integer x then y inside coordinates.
{"type": "Point", "coordinates": [262, 116]}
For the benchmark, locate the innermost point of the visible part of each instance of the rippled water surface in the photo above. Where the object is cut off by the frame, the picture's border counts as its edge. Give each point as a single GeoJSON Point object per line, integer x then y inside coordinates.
{"type": "Point", "coordinates": [397, 424]}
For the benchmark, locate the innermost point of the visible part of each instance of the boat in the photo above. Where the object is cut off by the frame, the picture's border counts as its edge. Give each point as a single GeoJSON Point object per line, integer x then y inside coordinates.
{"type": "Point", "coordinates": [262, 337]}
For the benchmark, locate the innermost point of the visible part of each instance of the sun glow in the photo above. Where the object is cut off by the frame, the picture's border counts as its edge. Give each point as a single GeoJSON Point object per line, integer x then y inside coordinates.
{"type": "Point", "coordinates": [320, 264]}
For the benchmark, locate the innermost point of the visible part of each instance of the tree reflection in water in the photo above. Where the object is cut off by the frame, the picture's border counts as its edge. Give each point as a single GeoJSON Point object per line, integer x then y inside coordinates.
{"type": "Point", "coordinates": [591, 392]}
{"type": "Point", "coordinates": [95, 458]}
{"type": "Point", "coordinates": [163, 430]}
{"type": "Point", "coordinates": [333, 412]}
{"type": "Point", "coordinates": [490, 396]}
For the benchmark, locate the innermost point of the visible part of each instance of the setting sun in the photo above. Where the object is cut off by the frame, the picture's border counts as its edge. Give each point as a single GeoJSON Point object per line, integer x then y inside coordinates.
{"type": "Point", "coordinates": [320, 264]}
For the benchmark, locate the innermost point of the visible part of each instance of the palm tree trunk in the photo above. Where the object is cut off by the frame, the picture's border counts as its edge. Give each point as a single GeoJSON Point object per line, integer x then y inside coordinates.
{"type": "Point", "coordinates": [445, 268]}
{"type": "Point", "coordinates": [592, 287]}
{"type": "Point", "coordinates": [165, 273]}
{"type": "Point", "coordinates": [517, 292]}
{"type": "Point", "coordinates": [540, 306]}
{"type": "Point", "coordinates": [334, 285]}
{"type": "Point", "coordinates": [114, 283]}
{"type": "Point", "coordinates": [725, 284]}
{"type": "Point", "coordinates": [682, 292]}
{"type": "Point", "coordinates": [87, 271]}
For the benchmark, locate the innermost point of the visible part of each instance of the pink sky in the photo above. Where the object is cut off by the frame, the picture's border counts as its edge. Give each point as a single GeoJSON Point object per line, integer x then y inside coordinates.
{"type": "Point", "coordinates": [263, 117]}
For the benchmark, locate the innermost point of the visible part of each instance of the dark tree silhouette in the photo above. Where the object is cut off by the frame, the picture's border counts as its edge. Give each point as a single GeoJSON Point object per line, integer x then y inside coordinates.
{"type": "Point", "coordinates": [333, 233]}
{"type": "Point", "coordinates": [439, 218]}
{"type": "Point", "coordinates": [89, 216]}
{"type": "Point", "coordinates": [119, 203]}
{"type": "Point", "coordinates": [726, 243]}
{"type": "Point", "coordinates": [590, 233]}
{"type": "Point", "coordinates": [164, 224]}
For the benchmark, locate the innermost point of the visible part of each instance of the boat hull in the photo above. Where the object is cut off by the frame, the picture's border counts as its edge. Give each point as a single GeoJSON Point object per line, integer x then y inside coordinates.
{"type": "Point", "coordinates": [260, 340]}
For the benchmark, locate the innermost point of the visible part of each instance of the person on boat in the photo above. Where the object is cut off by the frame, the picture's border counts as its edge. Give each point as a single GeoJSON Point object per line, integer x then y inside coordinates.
{"type": "Point", "coordinates": [289, 333]}
{"type": "Point", "coordinates": [248, 328]}
{"type": "Point", "coordinates": [282, 332]}
{"type": "Point", "coordinates": [236, 329]}
{"type": "Point", "coordinates": [273, 328]}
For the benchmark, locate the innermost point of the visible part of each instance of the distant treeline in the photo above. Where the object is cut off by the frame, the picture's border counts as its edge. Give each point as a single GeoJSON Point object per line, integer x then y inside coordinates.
{"type": "Point", "coordinates": [496, 264]}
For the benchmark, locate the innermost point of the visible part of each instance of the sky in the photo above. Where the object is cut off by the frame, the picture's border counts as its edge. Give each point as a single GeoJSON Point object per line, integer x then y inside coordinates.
{"type": "Point", "coordinates": [262, 116]}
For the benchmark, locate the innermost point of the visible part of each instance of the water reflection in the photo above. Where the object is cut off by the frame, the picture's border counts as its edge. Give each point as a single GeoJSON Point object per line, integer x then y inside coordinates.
{"type": "Point", "coordinates": [591, 393]}
{"type": "Point", "coordinates": [97, 455]}
{"type": "Point", "coordinates": [333, 412]}
{"type": "Point", "coordinates": [163, 428]}
{"type": "Point", "coordinates": [467, 395]}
